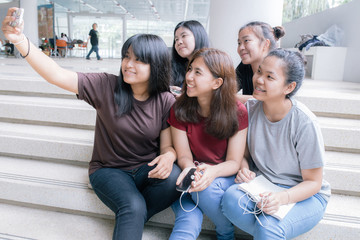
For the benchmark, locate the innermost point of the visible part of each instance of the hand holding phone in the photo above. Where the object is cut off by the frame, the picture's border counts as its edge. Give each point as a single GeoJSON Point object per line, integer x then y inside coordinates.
{"type": "Point", "coordinates": [18, 14]}
{"type": "Point", "coordinates": [186, 182]}
{"type": "Point", "coordinates": [175, 90]}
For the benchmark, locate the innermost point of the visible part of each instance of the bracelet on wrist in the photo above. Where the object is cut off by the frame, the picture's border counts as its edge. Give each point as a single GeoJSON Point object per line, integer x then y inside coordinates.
{"type": "Point", "coordinates": [23, 40]}
{"type": "Point", "coordinates": [288, 195]}
{"type": "Point", "coordinates": [27, 54]}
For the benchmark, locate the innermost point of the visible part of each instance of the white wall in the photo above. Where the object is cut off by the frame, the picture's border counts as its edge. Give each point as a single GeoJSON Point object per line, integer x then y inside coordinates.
{"type": "Point", "coordinates": [228, 16]}
{"type": "Point", "coordinates": [31, 29]}
{"type": "Point", "coordinates": [346, 17]}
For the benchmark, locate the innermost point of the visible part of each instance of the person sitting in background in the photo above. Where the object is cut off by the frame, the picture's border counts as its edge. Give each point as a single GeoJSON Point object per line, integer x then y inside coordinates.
{"type": "Point", "coordinates": [9, 47]}
{"type": "Point", "coordinates": [189, 36]}
{"type": "Point", "coordinates": [255, 40]}
{"type": "Point", "coordinates": [64, 37]}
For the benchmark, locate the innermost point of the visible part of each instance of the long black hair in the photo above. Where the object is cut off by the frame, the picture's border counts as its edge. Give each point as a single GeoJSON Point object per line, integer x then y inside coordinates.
{"type": "Point", "coordinates": [149, 49]}
{"type": "Point", "coordinates": [178, 63]}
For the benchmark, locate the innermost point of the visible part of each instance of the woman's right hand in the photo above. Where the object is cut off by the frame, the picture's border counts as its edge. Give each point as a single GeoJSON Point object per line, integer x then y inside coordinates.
{"type": "Point", "coordinates": [244, 175]}
{"type": "Point", "coordinates": [13, 34]}
{"type": "Point", "coordinates": [176, 91]}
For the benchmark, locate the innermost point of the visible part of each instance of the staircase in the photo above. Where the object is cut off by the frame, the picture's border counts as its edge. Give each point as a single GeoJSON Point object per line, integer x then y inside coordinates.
{"type": "Point", "coordinates": [46, 138]}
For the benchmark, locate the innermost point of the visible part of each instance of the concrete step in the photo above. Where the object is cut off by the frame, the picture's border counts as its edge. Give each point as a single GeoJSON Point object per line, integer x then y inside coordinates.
{"type": "Point", "coordinates": [30, 86]}
{"type": "Point", "coordinates": [331, 98]}
{"type": "Point", "coordinates": [340, 134]}
{"type": "Point", "coordinates": [25, 223]}
{"type": "Point", "coordinates": [46, 142]}
{"type": "Point", "coordinates": [75, 145]}
{"type": "Point", "coordinates": [49, 185]}
{"type": "Point", "coordinates": [47, 111]}
{"type": "Point", "coordinates": [17, 65]}
{"type": "Point", "coordinates": [342, 171]}
{"type": "Point", "coordinates": [63, 188]}
{"type": "Point", "coordinates": [18, 78]}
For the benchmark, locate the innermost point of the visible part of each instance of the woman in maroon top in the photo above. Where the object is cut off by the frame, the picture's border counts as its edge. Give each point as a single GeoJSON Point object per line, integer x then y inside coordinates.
{"type": "Point", "coordinates": [209, 129]}
{"type": "Point", "coordinates": [132, 168]}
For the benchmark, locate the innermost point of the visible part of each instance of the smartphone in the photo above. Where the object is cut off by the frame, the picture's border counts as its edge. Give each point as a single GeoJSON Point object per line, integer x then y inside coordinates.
{"type": "Point", "coordinates": [175, 90]}
{"type": "Point", "coordinates": [18, 14]}
{"type": "Point", "coordinates": [186, 182]}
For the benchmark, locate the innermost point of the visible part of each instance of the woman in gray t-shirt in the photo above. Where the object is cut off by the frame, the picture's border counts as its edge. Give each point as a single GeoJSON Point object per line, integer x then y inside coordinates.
{"type": "Point", "coordinates": [286, 147]}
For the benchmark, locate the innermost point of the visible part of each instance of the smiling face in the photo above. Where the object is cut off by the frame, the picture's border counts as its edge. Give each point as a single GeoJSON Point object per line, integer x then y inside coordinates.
{"type": "Point", "coordinates": [270, 80]}
{"type": "Point", "coordinates": [199, 80]}
{"type": "Point", "coordinates": [250, 48]}
{"type": "Point", "coordinates": [134, 71]}
{"type": "Point", "coordinates": [184, 42]}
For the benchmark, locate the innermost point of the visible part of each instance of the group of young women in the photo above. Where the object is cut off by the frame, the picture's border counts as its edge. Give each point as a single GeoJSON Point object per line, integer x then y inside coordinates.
{"type": "Point", "coordinates": [146, 141]}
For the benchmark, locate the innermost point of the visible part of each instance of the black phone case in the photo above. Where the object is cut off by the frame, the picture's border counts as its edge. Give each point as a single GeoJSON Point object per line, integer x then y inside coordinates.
{"type": "Point", "coordinates": [185, 183]}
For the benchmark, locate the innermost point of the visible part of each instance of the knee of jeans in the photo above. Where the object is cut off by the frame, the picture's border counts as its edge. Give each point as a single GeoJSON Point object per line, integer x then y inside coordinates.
{"type": "Point", "coordinates": [187, 224]}
{"type": "Point", "coordinates": [229, 201]}
{"type": "Point", "coordinates": [135, 207]}
{"type": "Point", "coordinates": [174, 173]}
{"type": "Point", "coordinates": [268, 230]}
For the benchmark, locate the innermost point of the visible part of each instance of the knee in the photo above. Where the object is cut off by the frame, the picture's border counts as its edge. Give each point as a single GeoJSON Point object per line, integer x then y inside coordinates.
{"type": "Point", "coordinates": [268, 231]}
{"type": "Point", "coordinates": [187, 224]}
{"type": "Point", "coordinates": [135, 207]}
{"type": "Point", "coordinates": [175, 172]}
{"type": "Point", "coordinates": [229, 201]}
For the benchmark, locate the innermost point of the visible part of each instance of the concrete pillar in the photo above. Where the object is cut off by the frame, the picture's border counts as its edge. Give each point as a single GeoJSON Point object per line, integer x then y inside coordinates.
{"type": "Point", "coordinates": [70, 24]}
{"type": "Point", "coordinates": [228, 16]}
{"type": "Point", "coordinates": [31, 20]}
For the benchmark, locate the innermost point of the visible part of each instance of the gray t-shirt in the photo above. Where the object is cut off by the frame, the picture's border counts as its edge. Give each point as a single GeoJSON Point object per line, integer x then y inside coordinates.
{"type": "Point", "coordinates": [127, 141]}
{"type": "Point", "coordinates": [280, 150]}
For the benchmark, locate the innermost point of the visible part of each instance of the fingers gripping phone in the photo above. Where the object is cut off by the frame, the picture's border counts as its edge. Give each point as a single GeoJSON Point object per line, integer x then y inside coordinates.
{"type": "Point", "coordinates": [18, 14]}
{"type": "Point", "coordinates": [186, 182]}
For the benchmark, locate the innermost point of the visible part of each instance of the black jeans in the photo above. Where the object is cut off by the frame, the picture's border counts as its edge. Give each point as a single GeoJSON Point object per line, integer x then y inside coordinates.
{"type": "Point", "coordinates": [133, 197]}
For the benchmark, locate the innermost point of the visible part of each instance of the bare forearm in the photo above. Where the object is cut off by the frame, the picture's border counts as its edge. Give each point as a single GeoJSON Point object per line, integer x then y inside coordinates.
{"type": "Point", "coordinates": [47, 68]}
{"type": "Point", "coordinates": [301, 192]}
{"type": "Point", "coordinates": [170, 151]}
{"type": "Point", "coordinates": [185, 162]}
{"type": "Point", "coordinates": [227, 168]}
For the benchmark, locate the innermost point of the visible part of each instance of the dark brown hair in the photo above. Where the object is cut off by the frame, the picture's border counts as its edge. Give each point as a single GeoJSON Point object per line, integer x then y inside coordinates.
{"type": "Point", "coordinates": [265, 31]}
{"type": "Point", "coordinates": [222, 122]}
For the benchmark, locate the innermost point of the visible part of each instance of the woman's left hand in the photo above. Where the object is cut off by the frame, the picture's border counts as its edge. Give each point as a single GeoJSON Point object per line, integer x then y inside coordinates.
{"type": "Point", "coordinates": [204, 176]}
{"type": "Point", "coordinates": [270, 202]}
{"type": "Point", "coordinates": [164, 166]}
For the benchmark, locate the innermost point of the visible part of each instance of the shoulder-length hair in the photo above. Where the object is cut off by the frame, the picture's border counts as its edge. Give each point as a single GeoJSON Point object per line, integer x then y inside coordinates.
{"type": "Point", "coordinates": [179, 64]}
{"type": "Point", "coordinates": [149, 49]}
{"type": "Point", "coordinates": [222, 122]}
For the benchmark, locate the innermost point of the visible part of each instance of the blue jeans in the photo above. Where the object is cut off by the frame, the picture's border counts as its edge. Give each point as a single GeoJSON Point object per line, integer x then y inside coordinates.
{"type": "Point", "coordinates": [301, 218]}
{"type": "Point", "coordinates": [188, 224]}
{"type": "Point", "coordinates": [95, 49]}
{"type": "Point", "coordinates": [133, 197]}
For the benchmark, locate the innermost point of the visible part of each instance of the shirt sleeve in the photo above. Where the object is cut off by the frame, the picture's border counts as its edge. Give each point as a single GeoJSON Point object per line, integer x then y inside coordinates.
{"type": "Point", "coordinates": [174, 122]}
{"type": "Point", "coordinates": [310, 146]}
{"type": "Point", "coordinates": [92, 86]}
{"type": "Point", "coordinates": [242, 116]}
